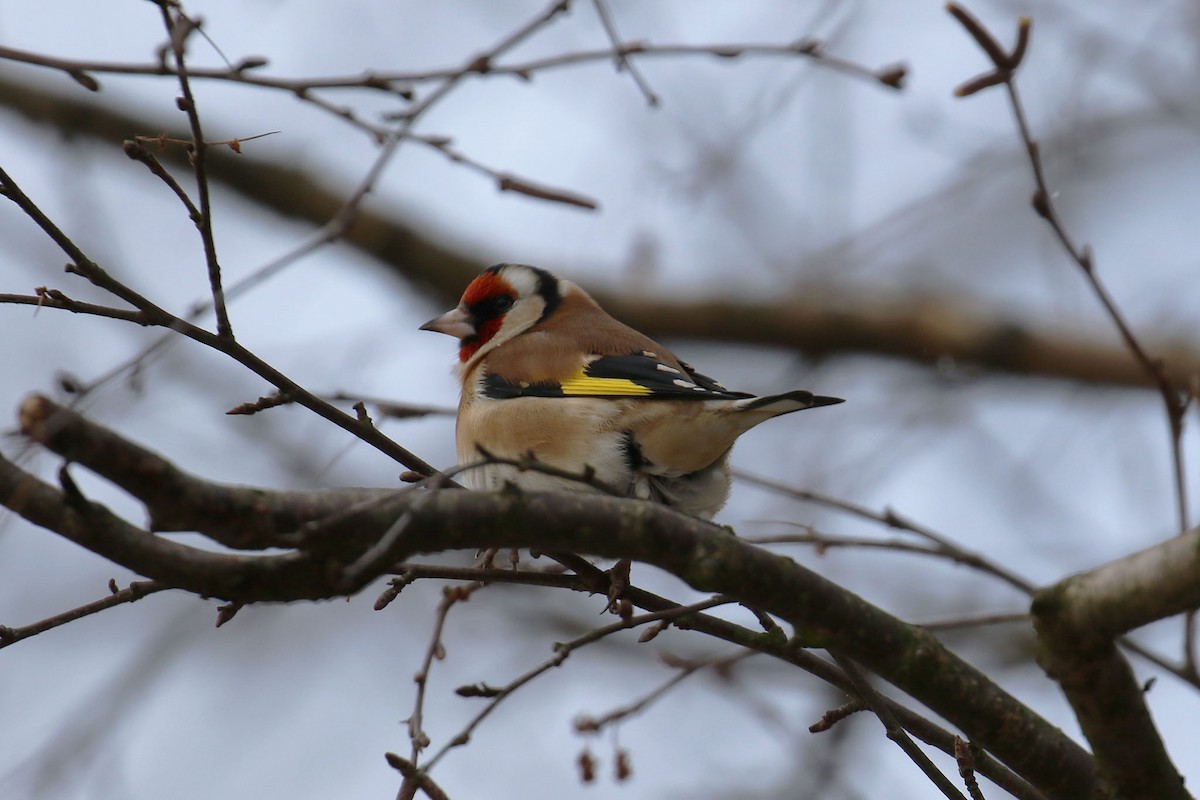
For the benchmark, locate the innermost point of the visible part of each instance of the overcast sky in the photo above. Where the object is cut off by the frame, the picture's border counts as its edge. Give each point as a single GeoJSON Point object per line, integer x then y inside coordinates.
{"type": "Point", "coordinates": [755, 176]}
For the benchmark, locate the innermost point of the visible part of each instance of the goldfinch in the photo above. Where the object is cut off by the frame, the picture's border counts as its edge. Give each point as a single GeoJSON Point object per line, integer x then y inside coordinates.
{"type": "Point", "coordinates": [546, 372]}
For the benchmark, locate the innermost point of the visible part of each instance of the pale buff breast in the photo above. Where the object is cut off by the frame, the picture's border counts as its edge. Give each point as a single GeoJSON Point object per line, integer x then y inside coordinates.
{"type": "Point", "coordinates": [567, 433]}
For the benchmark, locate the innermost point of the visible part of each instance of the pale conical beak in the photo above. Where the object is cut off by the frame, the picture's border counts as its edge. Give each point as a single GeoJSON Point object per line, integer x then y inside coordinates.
{"type": "Point", "coordinates": [456, 322]}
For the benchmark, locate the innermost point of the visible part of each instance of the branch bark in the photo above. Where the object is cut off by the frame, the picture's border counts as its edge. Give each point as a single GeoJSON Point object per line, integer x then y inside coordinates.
{"type": "Point", "coordinates": [705, 556]}
{"type": "Point", "coordinates": [1077, 621]}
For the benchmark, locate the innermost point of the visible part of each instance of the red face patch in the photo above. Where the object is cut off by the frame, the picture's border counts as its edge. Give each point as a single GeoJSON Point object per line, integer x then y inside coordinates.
{"type": "Point", "coordinates": [467, 349]}
{"type": "Point", "coordinates": [472, 344]}
{"type": "Point", "coordinates": [487, 286]}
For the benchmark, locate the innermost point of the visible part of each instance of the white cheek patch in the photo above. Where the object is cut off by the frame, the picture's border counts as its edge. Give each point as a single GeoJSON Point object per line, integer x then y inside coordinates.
{"type": "Point", "coordinates": [523, 281]}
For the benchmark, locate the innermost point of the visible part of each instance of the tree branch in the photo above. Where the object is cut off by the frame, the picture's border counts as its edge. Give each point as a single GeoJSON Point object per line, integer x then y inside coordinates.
{"type": "Point", "coordinates": [1082, 656]}
{"type": "Point", "coordinates": [1077, 620]}
{"type": "Point", "coordinates": [130, 594]}
{"type": "Point", "coordinates": [706, 556]}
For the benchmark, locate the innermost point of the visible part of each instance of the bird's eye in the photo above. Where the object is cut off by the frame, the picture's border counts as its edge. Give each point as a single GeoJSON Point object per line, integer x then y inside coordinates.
{"type": "Point", "coordinates": [492, 307]}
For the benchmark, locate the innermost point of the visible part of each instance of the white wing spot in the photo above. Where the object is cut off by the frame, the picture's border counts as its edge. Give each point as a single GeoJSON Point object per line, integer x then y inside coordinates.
{"type": "Point", "coordinates": [686, 384]}
{"type": "Point", "coordinates": [648, 354]}
{"type": "Point", "coordinates": [665, 368]}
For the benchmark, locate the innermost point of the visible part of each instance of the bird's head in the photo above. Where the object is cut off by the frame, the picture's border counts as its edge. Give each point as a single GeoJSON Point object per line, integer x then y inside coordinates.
{"type": "Point", "coordinates": [504, 301]}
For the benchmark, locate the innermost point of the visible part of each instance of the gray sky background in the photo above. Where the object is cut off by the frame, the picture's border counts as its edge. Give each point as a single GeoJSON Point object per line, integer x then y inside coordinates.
{"type": "Point", "coordinates": [756, 177]}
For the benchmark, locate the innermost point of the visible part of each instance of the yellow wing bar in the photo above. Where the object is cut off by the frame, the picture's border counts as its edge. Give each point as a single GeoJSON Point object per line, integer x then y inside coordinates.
{"type": "Point", "coordinates": [614, 387]}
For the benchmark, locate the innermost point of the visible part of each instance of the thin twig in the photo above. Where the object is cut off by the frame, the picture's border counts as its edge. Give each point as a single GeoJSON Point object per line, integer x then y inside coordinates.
{"type": "Point", "coordinates": [892, 519]}
{"type": "Point", "coordinates": [416, 731]}
{"type": "Point", "coordinates": [414, 779]}
{"type": "Point", "coordinates": [152, 314]}
{"type": "Point", "coordinates": [327, 234]}
{"type": "Point", "coordinates": [562, 651]}
{"type": "Point", "coordinates": [585, 724]}
{"type": "Point", "coordinates": [138, 152]}
{"type": "Point", "coordinates": [835, 715]}
{"type": "Point", "coordinates": [179, 27]}
{"type": "Point", "coordinates": [823, 542]}
{"type": "Point", "coordinates": [53, 298]}
{"type": "Point", "coordinates": [966, 768]}
{"type": "Point", "coordinates": [895, 731]}
{"type": "Point", "coordinates": [408, 573]}
{"type": "Point", "coordinates": [887, 517]}
{"type": "Point", "coordinates": [944, 547]}
{"type": "Point", "coordinates": [1004, 73]}
{"type": "Point", "coordinates": [133, 592]}
{"type": "Point", "coordinates": [621, 59]}
{"type": "Point", "coordinates": [375, 559]}
{"type": "Point", "coordinates": [342, 220]}
{"type": "Point", "coordinates": [400, 83]}
{"type": "Point", "coordinates": [1010, 618]}
{"type": "Point", "coordinates": [591, 578]}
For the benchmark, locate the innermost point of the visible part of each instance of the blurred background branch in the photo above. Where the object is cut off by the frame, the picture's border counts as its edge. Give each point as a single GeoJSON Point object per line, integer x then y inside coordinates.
{"type": "Point", "coordinates": [932, 328]}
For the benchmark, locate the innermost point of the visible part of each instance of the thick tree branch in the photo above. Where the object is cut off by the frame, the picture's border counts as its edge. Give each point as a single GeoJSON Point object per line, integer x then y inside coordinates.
{"type": "Point", "coordinates": [1153, 584]}
{"type": "Point", "coordinates": [1077, 620]}
{"type": "Point", "coordinates": [241, 517]}
{"type": "Point", "coordinates": [592, 579]}
{"type": "Point", "coordinates": [704, 555]}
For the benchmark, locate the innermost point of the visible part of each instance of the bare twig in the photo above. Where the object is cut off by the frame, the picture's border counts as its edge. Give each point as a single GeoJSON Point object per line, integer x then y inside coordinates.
{"type": "Point", "coordinates": [400, 84]}
{"type": "Point", "coordinates": [822, 542]}
{"type": "Point", "coordinates": [890, 76]}
{"type": "Point", "coordinates": [587, 724]}
{"type": "Point", "coordinates": [622, 60]}
{"type": "Point", "coordinates": [435, 650]}
{"type": "Point", "coordinates": [1015, 617]}
{"type": "Point", "coordinates": [942, 545]}
{"type": "Point", "coordinates": [138, 152]}
{"type": "Point", "coordinates": [917, 327]}
{"type": "Point", "coordinates": [133, 592]}
{"type": "Point", "coordinates": [408, 573]}
{"type": "Point", "coordinates": [592, 579]}
{"type": "Point", "coordinates": [506, 181]}
{"type": "Point", "coordinates": [895, 731]}
{"type": "Point", "coordinates": [152, 314]}
{"type": "Point", "coordinates": [1084, 660]}
{"type": "Point", "coordinates": [53, 298]}
{"type": "Point", "coordinates": [966, 768]}
{"type": "Point", "coordinates": [835, 715]}
{"type": "Point", "coordinates": [179, 27]}
{"type": "Point", "coordinates": [414, 779]}
{"type": "Point", "coordinates": [497, 695]}
{"type": "Point", "coordinates": [376, 558]}
{"type": "Point", "coordinates": [1004, 72]}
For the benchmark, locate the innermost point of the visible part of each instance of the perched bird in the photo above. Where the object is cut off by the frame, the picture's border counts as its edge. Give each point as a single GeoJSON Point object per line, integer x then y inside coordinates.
{"type": "Point", "coordinates": [546, 372]}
